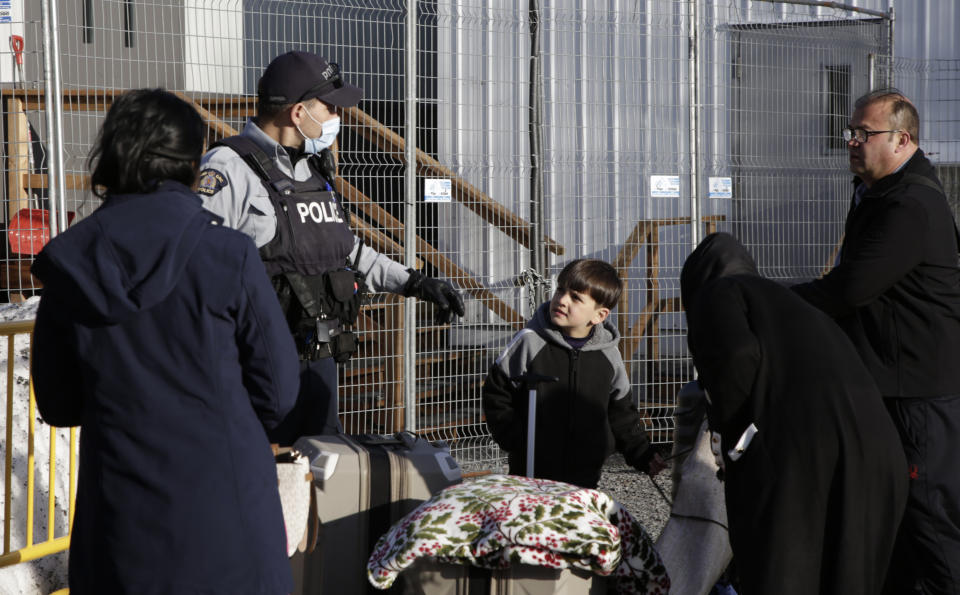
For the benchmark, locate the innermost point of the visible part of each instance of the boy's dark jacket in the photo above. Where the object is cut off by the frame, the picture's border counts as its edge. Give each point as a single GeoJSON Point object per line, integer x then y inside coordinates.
{"type": "Point", "coordinates": [160, 335]}
{"type": "Point", "coordinates": [581, 419]}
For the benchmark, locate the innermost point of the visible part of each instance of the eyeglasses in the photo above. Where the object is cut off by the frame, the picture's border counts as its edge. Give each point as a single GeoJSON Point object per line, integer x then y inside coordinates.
{"type": "Point", "coordinates": [861, 135]}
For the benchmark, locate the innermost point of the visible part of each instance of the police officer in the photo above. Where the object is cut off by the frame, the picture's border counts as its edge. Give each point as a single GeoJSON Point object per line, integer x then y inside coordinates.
{"type": "Point", "coordinates": [274, 182]}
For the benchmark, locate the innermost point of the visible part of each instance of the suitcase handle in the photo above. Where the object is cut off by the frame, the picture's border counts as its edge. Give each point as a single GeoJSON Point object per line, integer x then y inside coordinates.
{"type": "Point", "coordinates": [376, 439]}
{"type": "Point", "coordinates": [404, 438]}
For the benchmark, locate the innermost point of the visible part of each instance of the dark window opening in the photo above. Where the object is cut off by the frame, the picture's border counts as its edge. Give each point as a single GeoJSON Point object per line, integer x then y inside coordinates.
{"type": "Point", "coordinates": [838, 101]}
{"type": "Point", "coordinates": [87, 21]}
{"type": "Point", "coordinates": [128, 23]}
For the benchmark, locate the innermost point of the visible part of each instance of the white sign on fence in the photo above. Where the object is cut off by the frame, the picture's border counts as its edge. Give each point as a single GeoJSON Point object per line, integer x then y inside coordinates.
{"type": "Point", "coordinates": [720, 188]}
{"type": "Point", "coordinates": [665, 186]}
{"type": "Point", "coordinates": [437, 190]}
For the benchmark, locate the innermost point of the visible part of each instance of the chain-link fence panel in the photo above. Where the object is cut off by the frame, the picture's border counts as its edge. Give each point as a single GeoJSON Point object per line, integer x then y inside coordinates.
{"type": "Point", "coordinates": [932, 86]}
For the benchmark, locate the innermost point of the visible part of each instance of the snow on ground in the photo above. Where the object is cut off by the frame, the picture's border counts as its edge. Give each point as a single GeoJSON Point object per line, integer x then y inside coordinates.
{"type": "Point", "coordinates": [43, 576]}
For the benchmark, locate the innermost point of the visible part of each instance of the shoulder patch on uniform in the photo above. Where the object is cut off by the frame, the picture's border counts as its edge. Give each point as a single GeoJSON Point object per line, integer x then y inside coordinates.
{"type": "Point", "coordinates": [211, 182]}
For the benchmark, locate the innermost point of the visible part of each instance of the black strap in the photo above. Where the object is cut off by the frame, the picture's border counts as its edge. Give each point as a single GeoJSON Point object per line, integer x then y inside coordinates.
{"type": "Point", "coordinates": [378, 520]}
{"type": "Point", "coordinates": [479, 580]}
{"type": "Point", "coordinates": [356, 259]}
{"type": "Point", "coordinates": [305, 289]}
{"type": "Point", "coordinates": [258, 161]}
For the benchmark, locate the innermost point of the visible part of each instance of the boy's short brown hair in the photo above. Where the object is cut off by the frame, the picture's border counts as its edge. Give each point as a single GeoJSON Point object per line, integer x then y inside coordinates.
{"type": "Point", "coordinates": [596, 278]}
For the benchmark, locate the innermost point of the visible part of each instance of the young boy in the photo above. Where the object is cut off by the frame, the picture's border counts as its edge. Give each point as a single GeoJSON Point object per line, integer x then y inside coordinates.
{"type": "Point", "coordinates": [588, 413]}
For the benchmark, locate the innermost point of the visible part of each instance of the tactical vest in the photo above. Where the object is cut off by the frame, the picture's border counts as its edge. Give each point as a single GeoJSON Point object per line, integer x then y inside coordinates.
{"type": "Point", "coordinates": [313, 235]}
{"type": "Point", "coordinates": [307, 259]}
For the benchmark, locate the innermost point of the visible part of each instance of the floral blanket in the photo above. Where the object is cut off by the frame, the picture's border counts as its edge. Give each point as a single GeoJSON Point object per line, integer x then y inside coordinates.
{"type": "Point", "coordinates": [499, 520]}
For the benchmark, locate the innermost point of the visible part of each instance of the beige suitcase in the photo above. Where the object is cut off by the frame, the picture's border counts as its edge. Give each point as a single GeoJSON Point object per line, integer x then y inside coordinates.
{"type": "Point", "coordinates": [428, 577]}
{"type": "Point", "coordinates": [361, 486]}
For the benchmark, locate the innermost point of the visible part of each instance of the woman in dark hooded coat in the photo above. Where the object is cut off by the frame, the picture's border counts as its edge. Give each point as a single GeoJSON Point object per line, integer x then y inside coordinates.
{"type": "Point", "coordinates": [160, 335]}
{"type": "Point", "coordinates": [815, 496]}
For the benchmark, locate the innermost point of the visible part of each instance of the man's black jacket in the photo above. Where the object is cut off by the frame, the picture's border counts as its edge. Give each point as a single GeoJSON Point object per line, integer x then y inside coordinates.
{"type": "Point", "coordinates": [896, 288]}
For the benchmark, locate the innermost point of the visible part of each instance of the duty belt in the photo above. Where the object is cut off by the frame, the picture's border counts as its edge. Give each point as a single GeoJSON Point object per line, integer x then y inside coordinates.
{"type": "Point", "coordinates": [329, 340]}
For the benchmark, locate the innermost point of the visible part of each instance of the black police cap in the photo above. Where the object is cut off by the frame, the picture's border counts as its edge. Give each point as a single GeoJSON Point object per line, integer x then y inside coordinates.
{"type": "Point", "coordinates": [298, 76]}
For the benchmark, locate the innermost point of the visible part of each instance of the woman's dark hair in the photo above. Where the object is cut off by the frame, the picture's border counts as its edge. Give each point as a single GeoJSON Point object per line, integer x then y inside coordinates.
{"type": "Point", "coordinates": [596, 278]}
{"type": "Point", "coordinates": [149, 136]}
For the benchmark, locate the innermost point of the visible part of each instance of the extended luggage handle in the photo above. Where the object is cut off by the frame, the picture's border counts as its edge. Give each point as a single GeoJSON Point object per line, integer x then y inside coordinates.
{"type": "Point", "coordinates": [530, 381]}
{"type": "Point", "coordinates": [404, 438]}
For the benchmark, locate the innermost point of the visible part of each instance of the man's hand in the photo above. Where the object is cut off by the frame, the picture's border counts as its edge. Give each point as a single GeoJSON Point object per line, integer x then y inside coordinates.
{"type": "Point", "coordinates": [439, 292]}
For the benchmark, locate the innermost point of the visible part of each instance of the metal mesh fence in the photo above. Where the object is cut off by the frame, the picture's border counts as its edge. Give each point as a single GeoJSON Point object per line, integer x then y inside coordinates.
{"type": "Point", "coordinates": [932, 86]}
{"type": "Point", "coordinates": [623, 130]}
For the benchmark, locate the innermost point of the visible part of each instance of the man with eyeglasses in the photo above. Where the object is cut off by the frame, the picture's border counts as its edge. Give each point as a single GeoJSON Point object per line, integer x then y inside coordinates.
{"type": "Point", "coordinates": [275, 182]}
{"type": "Point", "coordinates": [895, 290]}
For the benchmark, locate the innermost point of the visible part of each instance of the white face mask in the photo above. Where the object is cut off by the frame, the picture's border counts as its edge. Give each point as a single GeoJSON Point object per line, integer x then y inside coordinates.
{"type": "Point", "coordinates": [328, 134]}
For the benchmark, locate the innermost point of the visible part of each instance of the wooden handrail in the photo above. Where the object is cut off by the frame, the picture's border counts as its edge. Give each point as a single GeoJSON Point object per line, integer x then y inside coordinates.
{"type": "Point", "coordinates": [379, 241]}
{"type": "Point", "coordinates": [74, 181]}
{"type": "Point", "coordinates": [471, 197]}
{"type": "Point", "coordinates": [213, 122]}
{"type": "Point", "coordinates": [446, 266]}
{"type": "Point", "coordinates": [645, 227]}
{"type": "Point", "coordinates": [90, 99]}
{"type": "Point", "coordinates": [645, 233]}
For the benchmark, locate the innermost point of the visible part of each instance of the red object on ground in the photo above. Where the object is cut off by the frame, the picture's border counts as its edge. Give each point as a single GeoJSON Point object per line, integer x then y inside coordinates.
{"type": "Point", "coordinates": [29, 230]}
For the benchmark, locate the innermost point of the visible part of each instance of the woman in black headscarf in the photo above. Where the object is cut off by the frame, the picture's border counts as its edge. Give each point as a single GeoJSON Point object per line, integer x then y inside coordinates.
{"type": "Point", "coordinates": [815, 476]}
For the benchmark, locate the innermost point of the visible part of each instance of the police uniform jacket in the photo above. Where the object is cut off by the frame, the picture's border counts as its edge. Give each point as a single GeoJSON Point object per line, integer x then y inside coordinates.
{"type": "Point", "coordinates": [159, 334]}
{"type": "Point", "coordinates": [581, 419]}
{"type": "Point", "coordinates": [896, 287]}
{"type": "Point", "coordinates": [231, 189]}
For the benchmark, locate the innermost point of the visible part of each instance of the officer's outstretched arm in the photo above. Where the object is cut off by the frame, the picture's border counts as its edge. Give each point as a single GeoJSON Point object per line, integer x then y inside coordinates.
{"type": "Point", "coordinates": [439, 292]}
{"type": "Point", "coordinates": [383, 274]}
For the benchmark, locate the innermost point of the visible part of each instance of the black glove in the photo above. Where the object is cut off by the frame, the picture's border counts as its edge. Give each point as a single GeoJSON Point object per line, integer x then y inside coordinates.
{"type": "Point", "coordinates": [439, 292]}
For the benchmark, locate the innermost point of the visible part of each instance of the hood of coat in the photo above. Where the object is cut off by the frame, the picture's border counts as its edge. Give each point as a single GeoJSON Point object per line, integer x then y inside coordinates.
{"type": "Point", "coordinates": [718, 255]}
{"type": "Point", "coordinates": [605, 335]}
{"type": "Point", "coordinates": [125, 257]}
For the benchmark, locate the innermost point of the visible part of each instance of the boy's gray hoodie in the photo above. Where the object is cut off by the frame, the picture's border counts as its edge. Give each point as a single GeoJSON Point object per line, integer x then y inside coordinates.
{"type": "Point", "coordinates": [581, 419]}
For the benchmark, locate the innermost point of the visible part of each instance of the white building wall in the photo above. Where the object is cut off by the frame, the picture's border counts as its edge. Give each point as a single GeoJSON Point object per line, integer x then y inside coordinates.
{"type": "Point", "coordinates": [213, 56]}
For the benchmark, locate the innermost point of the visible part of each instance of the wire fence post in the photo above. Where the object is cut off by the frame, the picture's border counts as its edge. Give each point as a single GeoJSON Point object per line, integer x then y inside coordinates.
{"type": "Point", "coordinates": [537, 260]}
{"type": "Point", "coordinates": [892, 24]}
{"type": "Point", "coordinates": [693, 65]}
{"type": "Point", "coordinates": [410, 218]}
{"type": "Point", "coordinates": [54, 116]}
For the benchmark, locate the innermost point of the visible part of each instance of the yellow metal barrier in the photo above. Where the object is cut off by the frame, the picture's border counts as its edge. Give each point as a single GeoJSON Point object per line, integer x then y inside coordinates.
{"type": "Point", "coordinates": [52, 544]}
